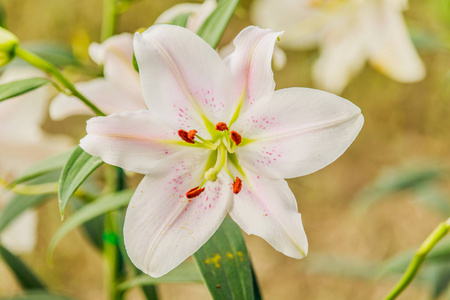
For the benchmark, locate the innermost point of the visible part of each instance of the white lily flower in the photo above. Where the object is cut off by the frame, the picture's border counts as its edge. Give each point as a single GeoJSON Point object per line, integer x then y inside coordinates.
{"type": "Point", "coordinates": [23, 143]}
{"type": "Point", "coordinates": [216, 139]}
{"type": "Point", "coordinates": [118, 91]}
{"type": "Point", "coordinates": [349, 33]}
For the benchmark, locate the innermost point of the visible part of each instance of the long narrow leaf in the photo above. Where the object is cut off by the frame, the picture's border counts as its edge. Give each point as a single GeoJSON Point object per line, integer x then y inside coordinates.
{"type": "Point", "coordinates": [214, 26]}
{"type": "Point", "coordinates": [17, 88]}
{"type": "Point", "coordinates": [90, 211]}
{"type": "Point", "coordinates": [27, 279]}
{"type": "Point", "coordinates": [225, 265]}
{"type": "Point", "coordinates": [399, 263]}
{"type": "Point", "coordinates": [185, 273]}
{"type": "Point", "coordinates": [35, 295]}
{"type": "Point", "coordinates": [17, 205]}
{"type": "Point", "coordinates": [79, 166]}
{"type": "Point", "coordinates": [43, 167]}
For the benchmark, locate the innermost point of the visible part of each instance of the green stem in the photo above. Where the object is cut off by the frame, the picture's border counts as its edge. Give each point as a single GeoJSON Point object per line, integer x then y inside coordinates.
{"type": "Point", "coordinates": [111, 252]}
{"type": "Point", "coordinates": [109, 19]}
{"type": "Point", "coordinates": [418, 259]}
{"type": "Point", "coordinates": [115, 181]}
{"type": "Point", "coordinates": [50, 68]}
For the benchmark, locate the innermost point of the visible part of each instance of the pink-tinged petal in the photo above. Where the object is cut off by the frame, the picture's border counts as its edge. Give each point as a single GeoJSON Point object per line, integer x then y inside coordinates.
{"type": "Point", "coordinates": [267, 208]}
{"type": "Point", "coordinates": [394, 54]}
{"type": "Point", "coordinates": [297, 132]}
{"type": "Point", "coordinates": [136, 141]}
{"type": "Point", "coordinates": [109, 97]}
{"type": "Point", "coordinates": [163, 227]}
{"type": "Point", "coordinates": [182, 77]}
{"type": "Point", "coordinates": [251, 64]}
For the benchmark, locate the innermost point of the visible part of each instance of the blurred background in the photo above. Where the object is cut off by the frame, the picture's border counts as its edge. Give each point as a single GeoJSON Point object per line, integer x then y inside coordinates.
{"type": "Point", "coordinates": [382, 197]}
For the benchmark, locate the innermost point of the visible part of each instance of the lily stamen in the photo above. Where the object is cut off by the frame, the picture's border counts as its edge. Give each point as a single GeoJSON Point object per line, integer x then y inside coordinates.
{"type": "Point", "coordinates": [221, 126]}
{"type": "Point", "coordinates": [184, 135]}
{"type": "Point", "coordinates": [237, 185]}
{"type": "Point", "coordinates": [191, 134]}
{"type": "Point", "coordinates": [194, 192]}
{"type": "Point", "coordinates": [236, 137]}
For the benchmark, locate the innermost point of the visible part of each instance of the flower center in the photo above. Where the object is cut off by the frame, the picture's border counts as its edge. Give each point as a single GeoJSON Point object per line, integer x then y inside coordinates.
{"type": "Point", "coordinates": [222, 148]}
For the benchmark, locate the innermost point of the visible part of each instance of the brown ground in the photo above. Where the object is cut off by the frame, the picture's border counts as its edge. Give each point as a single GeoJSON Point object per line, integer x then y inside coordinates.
{"type": "Point", "coordinates": [403, 122]}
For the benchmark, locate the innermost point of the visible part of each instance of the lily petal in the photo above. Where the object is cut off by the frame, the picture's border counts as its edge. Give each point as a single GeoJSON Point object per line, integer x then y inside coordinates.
{"type": "Point", "coordinates": [395, 55]}
{"type": "Point", "coordinates": [163, 227]}
{"type": "Point", "coordinates": [21, 118]}
{"type": "Point", "coordinates": [182, 77]}
{"type": "Point", "coordinates": [20, 236]}
{"type": "Point", "coordinates": [116, 54]}
{"type": "Point", "coordinates": [342, 56]}
{"type": "Point", "coordinates": [297, 132]}
{"type": "Point", "coordinates": [136, 141]}
{"type": "Point", "coordinates": [119, 71]}
{"type": "Point", "coordinates": [251, 64]}
{"type": "Point", "coordinates": [106, 95]}
{"type": "Point", "coordinates": [302, 24]}
{"type": "Point", "coordinates": [121, 43]}
{"type": "Point", "coordinates": [267, 208]}
{"type": "Point", "coordinates": [198, 13]}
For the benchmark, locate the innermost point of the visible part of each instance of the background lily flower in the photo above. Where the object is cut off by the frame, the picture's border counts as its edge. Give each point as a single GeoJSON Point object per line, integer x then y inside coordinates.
{"type": "Point", "coordinates": [349, 33]}
{"type": "Point", "coordinates": [216, 139]}
{"type": "Point", "coordinates": [118, 91]}
{"type": "Point", "coordinates": [23, 143]}
{"type": "Point", "coordinates": [198, 13]}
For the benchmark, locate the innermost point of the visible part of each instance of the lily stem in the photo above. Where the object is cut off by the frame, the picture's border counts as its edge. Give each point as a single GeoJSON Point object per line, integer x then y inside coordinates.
{"type": "Point", "coordinates": [438, 233]}
{"type": "Point", "coordinates": [109, 19]}
{"type": "Point", "coordinates": [44, 65]}
{"type": "Point", "coordinates": [115, 181]}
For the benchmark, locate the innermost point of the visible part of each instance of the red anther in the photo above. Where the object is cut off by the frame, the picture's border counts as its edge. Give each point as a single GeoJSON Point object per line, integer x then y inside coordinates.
{"type": "Point", "coordinates": [194, 192]}
{"type": "Point", "coordinates": [237, 185]}
{"type": "Point", "coordinates": [236, 137]}
{"type": "Point", "coordinates": [185, 136]}
{"type": "Point", "coordinates": [221, 126]}
{"type": "Point", "coordinates": [191, 134]}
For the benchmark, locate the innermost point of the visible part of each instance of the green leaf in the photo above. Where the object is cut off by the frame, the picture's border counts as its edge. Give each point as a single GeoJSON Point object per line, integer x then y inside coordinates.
{"type": "Point", "coordinates": [224, 264]}
{"type": "Point", "coordinates": [185, 273]}
{"type": "Point", "coordinates": [90, 211]}
{"type": "Point", "coordinates": [43, 167]}
{"type": "Point", "coordinates": [94, 228]}
{"type": "Point", "coordinates": [340, 266]}
{"type": "Point", "coordinates": [37, 295]}
{"type": "Point", "coordinates": [439, 278]}
{"type": "Point", "coordinates": [433, 196]}
{"type": "Point", "coordinates": [27, 279]}
{"type": "Point", "coordinates": [17, 205]}
{"type": "Point", "coordinates": [181, 20]}
{"type": "Point", "coordinates": [56, 53]}
{"type": "Point", "coordinates": [396, 180]}
{"type": "Point", "coordinates": [214, 26]}
{"type": "Point", "coordinates": [399, 263]}
{"type": "Point", "coordinates": [17, 88]}
{"type": "Point", "coordinates": [79, 166]}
